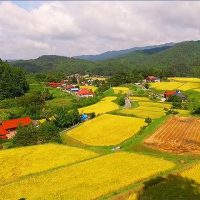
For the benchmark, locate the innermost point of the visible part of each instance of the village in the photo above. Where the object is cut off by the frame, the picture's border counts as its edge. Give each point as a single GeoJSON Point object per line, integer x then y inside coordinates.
{"type": "Point", "coordinates": [85, 89]}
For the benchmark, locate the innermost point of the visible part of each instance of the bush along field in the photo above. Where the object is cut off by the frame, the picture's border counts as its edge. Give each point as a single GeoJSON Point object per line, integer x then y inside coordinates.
{"type": "Point", "coordinates": [133, 146]}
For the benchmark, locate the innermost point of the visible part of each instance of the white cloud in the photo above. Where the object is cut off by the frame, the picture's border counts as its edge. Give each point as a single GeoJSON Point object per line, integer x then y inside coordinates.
{"type": "Point", "coordinates": [74, 28]}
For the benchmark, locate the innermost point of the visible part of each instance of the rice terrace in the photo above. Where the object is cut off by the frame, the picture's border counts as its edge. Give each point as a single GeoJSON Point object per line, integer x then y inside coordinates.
{"type": "Point", "coordinates": [99, 100]}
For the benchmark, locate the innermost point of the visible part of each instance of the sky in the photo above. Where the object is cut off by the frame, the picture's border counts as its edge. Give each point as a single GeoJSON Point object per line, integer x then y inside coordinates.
{"type": "Point", "coordinates": [70, 28]}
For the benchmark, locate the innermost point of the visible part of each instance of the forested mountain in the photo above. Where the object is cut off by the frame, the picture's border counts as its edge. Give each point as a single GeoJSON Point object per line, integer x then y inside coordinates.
{"type": "Point", "coordinates": [114, 54]}
{"type": "Point", "coordinates": [53, 62]}
{"type": "Point", "coordinates": [182, 59]}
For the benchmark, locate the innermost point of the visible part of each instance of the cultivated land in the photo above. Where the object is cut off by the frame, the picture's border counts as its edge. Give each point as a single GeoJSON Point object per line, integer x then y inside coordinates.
{"type": "Point", "coordinates": [178, 134]}
{"type": "Point", "coordinates": [106, 130]}
{"type": "Point", "coordinates": [64, 172]}
{"type": "Point", "coordinates": [192, 172]}
{"type": "Point", "coordinates": [122, 90]}
{"type": "Point", "coordinates": [105, 105]}
{"type": "Point", "coordinates": [179, 83]}
{"type": "Point", "coordinates": [20, 162]}
{"type": "Point", "coordinates": [87, 180]}
{"type": "Point", "coordinates": [145, 108]}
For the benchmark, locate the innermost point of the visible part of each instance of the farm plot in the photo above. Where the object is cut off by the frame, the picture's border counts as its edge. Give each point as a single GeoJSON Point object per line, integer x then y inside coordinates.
{"type": "Point", "coordinates": [139, 98]}
{"type": "Point", "coordinates": [178, 134]}
{"type": "Point", "coordinates": [147, 109]}
{"type": "Point", "coordinates": [105, 105]}
{"type": "Point", "coordinates": [106, 130]}
{"type": "Point", "coordinates": [19, 162]}
{"type": "Point", "coordinates": [166, 85]}
{"type": "Point", "coordinates": [87, 180]}
{"type": "Point", "coordinates": [122, 90]}
{"type": "Point", "coordinates": [181, 79]}
{"type": "Point", "coordinates": [184, 86]}
{"type": "Point", "coordinates": [192, 173]}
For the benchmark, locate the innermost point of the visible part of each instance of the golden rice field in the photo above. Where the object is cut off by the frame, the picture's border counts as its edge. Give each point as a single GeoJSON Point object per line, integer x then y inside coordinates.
{"type": "Point", "coordinates": [105, 105]}
{"type": "Point", "coordinates": [87, 180]}
{"type": "Point", "coordinates": [192, 173]}
{"type": "Point", "coordinates": [166, 85]}
{"type": "Point", "coordinates": [142, 113]}
{"type": "Point", "coordinates": [147, 109]}
{"type": "Point", "coordinates": [106, 130]}
{"type": "Point", "coordinates": [89, 87]}
{"type": "Point", "coordinates": [98, 78]}
{"type": "Point", "coordinates": [189, 86]}
{"type": "Point", "coordinates": [184, 79]}
{"type": "Point", "coordinates": [139, 98]}
{"type": "Point", "coordinates": [184, 86]}
{"type": "Point", "coordinates": [122, 90]}
{"type": "Point", "coordinates": [19, 162]}
{"type": "Point", "coordinates": [133, 196]}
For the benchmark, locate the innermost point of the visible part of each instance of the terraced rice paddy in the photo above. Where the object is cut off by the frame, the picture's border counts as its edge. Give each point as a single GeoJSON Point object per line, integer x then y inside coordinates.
{"type": "Point", "coordinates": [166, 85]}
{"type": "Point", "coordinates": [147, 109]}
{"type": "Point", "coordinates": [87, 180]}
{"type": "Point", "coordinates": [192, 173]}
{"type": "Point", "coordinates": [184, 86]}
{"type": "Point", "coordinates": [106, 130]}
{"type": "Point", "coordinates": [183, 79]}
{"type": "Point", "coordinates": [178, 134]}
{"type": "Point", "coordinates": [20, 162]}
{"type": "Point", "coordinates": [105, 105]}
{"type": "Point", "coordinates": [89, 87]}
{"type": "Point", "coordinates": [122, 90]}
{"type": "Point", "coordinates": [139, 98]}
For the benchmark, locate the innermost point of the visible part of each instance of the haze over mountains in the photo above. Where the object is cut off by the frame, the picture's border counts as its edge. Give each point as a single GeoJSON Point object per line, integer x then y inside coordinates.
{"type": "Point", "coordinates": [184, 57]}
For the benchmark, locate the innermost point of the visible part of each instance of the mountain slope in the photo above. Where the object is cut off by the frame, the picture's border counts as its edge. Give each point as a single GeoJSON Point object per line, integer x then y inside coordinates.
{"type": "Point", "coordinates": [53, 62]}
{"type": "Point", "coordinates": [113, 54]}
{"type": "Point", "coordinates": [182, 59]}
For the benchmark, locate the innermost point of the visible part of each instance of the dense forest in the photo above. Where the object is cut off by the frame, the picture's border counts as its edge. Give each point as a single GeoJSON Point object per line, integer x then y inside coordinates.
{"type": "Point", "coordinates": [182, 59]}
{"type": "Point", "coordinates": [12, 81]}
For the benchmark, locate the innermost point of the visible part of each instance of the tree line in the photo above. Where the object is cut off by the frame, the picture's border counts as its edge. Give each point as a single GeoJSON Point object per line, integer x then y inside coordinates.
{"type": "Point", "coordinates": [12, 81]}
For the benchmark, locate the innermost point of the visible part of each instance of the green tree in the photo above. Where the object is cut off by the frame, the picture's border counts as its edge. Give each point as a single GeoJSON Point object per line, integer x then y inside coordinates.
{"type": "Point", "coordinates": [148, 120]}
{"type": "Point", "coordinates": [12, 81]}
{"type": "Point", "coordinates": [48, 132]}
{"type": "Point", "coordinates": [170, 188]}
{"type": "Point", "coordinates": [26, 136]}
{"type": "Point", "coordinates": [121, 99]}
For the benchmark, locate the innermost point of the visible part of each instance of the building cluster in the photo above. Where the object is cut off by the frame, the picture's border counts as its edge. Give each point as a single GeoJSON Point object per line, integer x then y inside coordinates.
{"type": "Point", "coordinates": [72, 88]}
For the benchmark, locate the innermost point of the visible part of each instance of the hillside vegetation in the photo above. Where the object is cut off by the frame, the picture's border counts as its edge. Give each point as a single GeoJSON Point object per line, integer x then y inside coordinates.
{"type": "Point", "coordinates": [182, 59]}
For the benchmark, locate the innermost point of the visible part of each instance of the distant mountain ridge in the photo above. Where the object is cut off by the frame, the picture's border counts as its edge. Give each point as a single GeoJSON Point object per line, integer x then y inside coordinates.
{"type": "Point", "coordinates": [114, 54]}
{"type": "Point", "coordinates": [180, 59]}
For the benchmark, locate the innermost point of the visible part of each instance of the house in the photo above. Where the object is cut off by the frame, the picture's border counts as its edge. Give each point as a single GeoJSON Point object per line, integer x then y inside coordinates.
{"type": "Point", "coordinates": [85, 93]}
{"type": "Point", "coordinates": [8, 128]}
{"type": "Point", "coordinates": [74, 89]}
{"type": "Point", "coordinates": [150, 79]}
{"type": "Point", "coordinates": [55, 84]}
{"type": "Point", "coordinates": [177, 93]}
{"type": "Point", "coordinates": [168, 94]}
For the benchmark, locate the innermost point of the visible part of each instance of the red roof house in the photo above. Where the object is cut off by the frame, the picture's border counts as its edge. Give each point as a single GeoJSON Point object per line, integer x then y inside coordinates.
{"type": "Point", "coordinates": [152, 79]}
{"type": "Point", "coordinates": [8, 128]}
{"type": "Point", "coordinates": [3, 133]}
{"type": "Point", "coordinates": [85, 93]}
{"type": "Point", "coordinates": [54, 84]}
{"type": "Point", "coordinates": [168, 94]}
